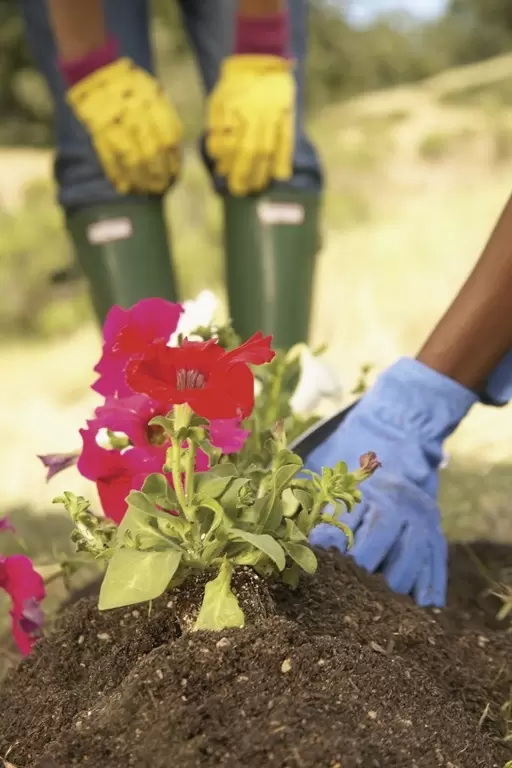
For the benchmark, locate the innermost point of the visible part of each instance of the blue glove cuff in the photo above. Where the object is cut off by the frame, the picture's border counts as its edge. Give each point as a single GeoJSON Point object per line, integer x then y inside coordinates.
{"type": "Point", "coordinates": [498, 387]}
{"type": "Point", "coordinates": [416, 399]}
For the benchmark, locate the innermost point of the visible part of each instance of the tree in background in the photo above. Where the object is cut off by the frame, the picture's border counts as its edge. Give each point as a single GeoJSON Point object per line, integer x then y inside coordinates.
{"type": "Point", "coordinates": [473, 30]}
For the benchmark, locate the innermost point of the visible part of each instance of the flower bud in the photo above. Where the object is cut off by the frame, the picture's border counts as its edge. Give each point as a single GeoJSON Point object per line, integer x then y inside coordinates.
{"type": "Point", "coordinates": [369, 463]}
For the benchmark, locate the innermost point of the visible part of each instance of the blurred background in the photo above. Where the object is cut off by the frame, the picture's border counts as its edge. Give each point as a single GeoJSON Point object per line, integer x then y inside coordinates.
{"type": "Point", "coordinates": [410, 104]}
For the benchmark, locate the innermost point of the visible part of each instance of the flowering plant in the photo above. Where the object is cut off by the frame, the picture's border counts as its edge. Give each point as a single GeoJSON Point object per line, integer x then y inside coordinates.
{"type": "Point", "coordinates": [26, 590]}
{"type": "Point", "coordinates": [192, 467]}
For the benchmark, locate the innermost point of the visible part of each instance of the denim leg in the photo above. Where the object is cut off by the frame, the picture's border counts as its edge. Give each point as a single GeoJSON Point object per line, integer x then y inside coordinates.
{"type": "Point", "coordinates": [79, 175]}
{"type": "Point", "coordinates": [210, 27]}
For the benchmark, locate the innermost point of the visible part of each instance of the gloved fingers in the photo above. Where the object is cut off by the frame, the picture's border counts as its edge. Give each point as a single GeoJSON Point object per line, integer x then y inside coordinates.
{"type": "Point", "coordinates": [261, 172]}
{"type": "Point", "coordinates": [156, 139]}
{"type": "Point", "coordinates": [282, 169]}
{"type": "Point", "coordinates": [375, 537]}
{"type": "Point", "coordinates": [163, 168]}
{"type": "Point", "coordinates": [228, 148]}
{"type": "Point", "coordinates": [404, 560]}
{"type": "Point", "coordinates": [327, 536]}
{"type": "Point", "coordinates": [120, 157]}
{"type": "Point", "coordinates": [247, 151]}
{"type": "Point", "coordinates": [221, 133]}
{"type": "Point", "coordinates": [166, 124]}
{"type": "Point", "coordinates": [158, 163]}
{"type": "Point", "coordinates": [170, 148]}
{"type": "Point", "coordinates": [113, 165]}
{"type": "Point", "coordinates": [216, 124]}
{"type": "Point", "coordinates": [431, 585]}
{"type": "Point", "coordinates": [148, 175]}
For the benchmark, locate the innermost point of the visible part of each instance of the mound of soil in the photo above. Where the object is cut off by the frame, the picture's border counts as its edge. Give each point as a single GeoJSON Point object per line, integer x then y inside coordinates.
{"type": "Point", "coordinates": [344, 675]}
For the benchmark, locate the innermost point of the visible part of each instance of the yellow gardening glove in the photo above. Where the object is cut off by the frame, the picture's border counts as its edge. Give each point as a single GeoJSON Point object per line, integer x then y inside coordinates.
{"type": "Point", "coordinates": [134, 129]}
{"type": "Point", "coordinates": [251, 121]}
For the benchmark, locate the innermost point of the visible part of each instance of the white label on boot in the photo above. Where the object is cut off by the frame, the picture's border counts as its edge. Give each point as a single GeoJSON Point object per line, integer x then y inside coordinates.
{"type": "Point", "coordinates": [109, 231]}
{"type": "Point", "coordinates": [280, 213]}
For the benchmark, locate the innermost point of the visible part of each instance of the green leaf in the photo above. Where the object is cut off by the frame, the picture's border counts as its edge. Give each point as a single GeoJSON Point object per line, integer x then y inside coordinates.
{"type": "Point", "coordinates": [304, 498]}
{"type": "Point", "coordinates": [331, 520]}
{"type": "Point", "coordinates": [74, 505]}
{"type": "Point", "coordinates": [143, 523]}
{"type": "Point", "coordinates": [284, 475]}
{"type": "Point", "coordinates": [207, 484]}
{"type": "Point", "coordinates": [230, 499]}
{"type": "Point", "coordinates": [248, 516]}
{"type": "Point", "coordinates": [286, 458]}
{"type": "Point", "coordinates": [220, 608]}
{"type": "Point", "coordinates": [142, 503]}
{"type": "Point", "coordinates": [174, 526]}
{"type": "Point", "coordinates": [198, 421]}
{"type": "Point", "coordinates": [291, 575]}
{"type": "Point", "coordinates": [270, 507]}
{"type": "Point", "coordinates": [135, 577]}
{"type": "Point", "coordinates": [218, 512]}
{"type": "Point", "coordinates": [165, 422]}
{"type": "Point", "coordinates": [290, 503]}
{"type": "Point", "coordinates": [156, 487]}
{"type": "Point", "coordinates": [302, 555]}
{"type": "Point", "coordinates": [293, 532]}
{"type": "Point", "coordinates": [303, 522]}
{"type": "Point", "coordinates": [262, 541]}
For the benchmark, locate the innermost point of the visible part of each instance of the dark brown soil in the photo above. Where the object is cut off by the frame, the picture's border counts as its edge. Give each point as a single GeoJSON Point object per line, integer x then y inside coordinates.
{"type": "Point", "coordinates": [345, 675]}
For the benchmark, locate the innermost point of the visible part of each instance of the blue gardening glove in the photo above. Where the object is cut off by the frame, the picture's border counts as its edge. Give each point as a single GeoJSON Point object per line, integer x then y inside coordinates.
{"type": "Point", "coordinates": [498, 387]}
{"type": "Point", "coordinates": [405, 419]}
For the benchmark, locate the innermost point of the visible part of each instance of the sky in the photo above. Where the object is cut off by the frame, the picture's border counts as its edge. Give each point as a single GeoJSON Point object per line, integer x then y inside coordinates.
{"type": "Point", "coordinates": [363, 10]}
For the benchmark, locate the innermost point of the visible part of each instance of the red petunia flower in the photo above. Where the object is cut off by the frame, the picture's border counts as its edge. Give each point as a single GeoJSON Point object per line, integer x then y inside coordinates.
{"type": "Point", "coordinates": [126, 334]}
{"type": "Point", "coordinates": [216, 384]}
{"type": "Point", "coordinates": [26, 589]}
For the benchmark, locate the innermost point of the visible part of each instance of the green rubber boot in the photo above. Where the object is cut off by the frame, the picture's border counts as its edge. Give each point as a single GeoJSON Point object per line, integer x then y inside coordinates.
{"type": "Point", "coordinates": [123, 249]}
{"type": "Point", "coordinates": [271, 244]}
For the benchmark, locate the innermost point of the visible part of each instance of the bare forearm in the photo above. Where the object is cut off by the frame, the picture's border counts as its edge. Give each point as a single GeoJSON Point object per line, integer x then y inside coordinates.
{"type": "Point", "coordinates": [261, 7]}
{"type": "Point", "coordinates": [78, 26]}
{"type": "Point", "coordinates": [476, 331]}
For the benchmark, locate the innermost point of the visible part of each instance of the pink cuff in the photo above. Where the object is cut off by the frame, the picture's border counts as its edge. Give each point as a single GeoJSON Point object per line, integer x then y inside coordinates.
{"type": "Point", "coordinates": [76, 69]}
{"type": "Point", "coordinates": [264, 35]}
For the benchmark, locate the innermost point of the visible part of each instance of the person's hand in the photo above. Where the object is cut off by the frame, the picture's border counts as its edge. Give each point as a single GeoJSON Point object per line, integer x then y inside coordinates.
{"type": "Point", "coordinates": [250, 122]}
{"type": "Point", "coordinates": [135, 131]}
{"type": "Point", "coordinates": [404, 419]}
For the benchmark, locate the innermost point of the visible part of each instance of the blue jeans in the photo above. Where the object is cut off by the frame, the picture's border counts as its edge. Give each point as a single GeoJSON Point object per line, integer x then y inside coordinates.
{"type": "Point", "coordinates": [209, 25]}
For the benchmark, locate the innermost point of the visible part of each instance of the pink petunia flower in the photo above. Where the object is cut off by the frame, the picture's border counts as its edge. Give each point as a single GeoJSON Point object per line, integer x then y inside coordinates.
{"type": "Point", "coordinates": [131, 416]}
{"type": "Point", "coordinates": [6, 525]}
{"type": "Point", "coordinates": [26, 589]}
{"type": "Point", "coordinates": [228, 435]}
{"type": "Point", "coordinates": [117, 472]}
{"type": "Point", "coordinates": [127, 333]}
{"type": "Point", "coordinates": [58, 462]}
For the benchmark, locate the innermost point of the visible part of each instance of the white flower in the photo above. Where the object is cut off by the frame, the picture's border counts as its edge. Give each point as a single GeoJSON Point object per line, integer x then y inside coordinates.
{"type": "Point", "coordinates": [318, 380]}
{"type": "Point", "coordinates": [198, 312]}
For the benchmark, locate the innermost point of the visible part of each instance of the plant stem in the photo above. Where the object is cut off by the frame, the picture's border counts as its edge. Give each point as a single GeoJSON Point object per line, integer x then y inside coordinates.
{"type": "Point", "coordinates": [316, 510]}
{"type": "Point", "coordinates": [275, 391]}
{"type": "Point", "coordinates": [189, 471]}
{"type": "Point", "coordinates": [176, 475]}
